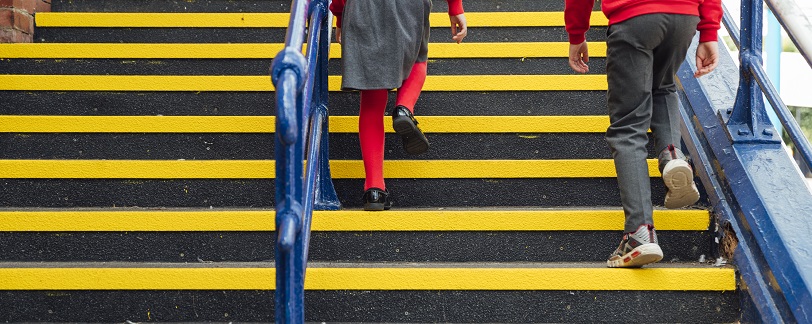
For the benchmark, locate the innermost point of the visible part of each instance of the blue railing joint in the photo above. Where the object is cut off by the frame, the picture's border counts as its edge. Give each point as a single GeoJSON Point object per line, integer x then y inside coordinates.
{"type": "Point", "coordinates": [320, 5]}
{"type": "Point", "coordinates": [288, 225]}
{"type": "Point", "coordinates": [289, 59]}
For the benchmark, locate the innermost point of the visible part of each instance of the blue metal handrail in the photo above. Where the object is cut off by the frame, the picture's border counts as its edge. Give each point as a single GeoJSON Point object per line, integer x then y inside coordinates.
{"type": "Point", "coordinates": [754, 186]}
{"type": "Point", "coordinates": [749, 119]}
{"type": "Point", "coordinates": [301, 85]}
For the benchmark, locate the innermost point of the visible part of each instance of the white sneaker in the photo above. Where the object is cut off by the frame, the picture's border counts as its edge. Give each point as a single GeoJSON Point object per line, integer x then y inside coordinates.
{"type": "Point", "coordinates": [636, 249]}
{"type": "Point", "coordinates": [679, 178]}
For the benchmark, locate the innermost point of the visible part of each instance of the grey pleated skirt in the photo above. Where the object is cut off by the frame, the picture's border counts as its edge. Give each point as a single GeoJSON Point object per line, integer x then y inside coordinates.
{"type": "Point", "coordinates": [381, 40]}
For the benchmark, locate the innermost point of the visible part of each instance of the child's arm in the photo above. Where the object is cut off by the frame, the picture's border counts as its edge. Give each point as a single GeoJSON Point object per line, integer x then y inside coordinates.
{"type": "Point", "coordinates": [337, 8]}
{"type": "Point", "coordinates": [710, 16]}
{"type": "Point", "coordinates": [459, 26]}
{"type": "Point", "coordinates": [707, 53]}
{"type": "Point", "coordinates": [576, 19]}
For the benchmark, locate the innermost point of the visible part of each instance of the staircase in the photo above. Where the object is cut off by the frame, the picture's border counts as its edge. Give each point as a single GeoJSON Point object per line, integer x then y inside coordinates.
{"type": "Point", "coordinates": [137, 179]}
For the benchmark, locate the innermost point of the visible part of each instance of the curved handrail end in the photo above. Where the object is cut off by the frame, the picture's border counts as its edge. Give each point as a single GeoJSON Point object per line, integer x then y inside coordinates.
{"type": "Point", "coordinates": [288, 226]}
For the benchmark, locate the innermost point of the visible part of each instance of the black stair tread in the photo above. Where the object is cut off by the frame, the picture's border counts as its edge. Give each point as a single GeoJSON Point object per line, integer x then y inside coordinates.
{"type": "Point", "coordinates": [342, 246]}
{"type": "Point", "coordinates": [277, 6]}
{"type": "Point", "coordinates": [443, 66]}
{"type": "Point", "coordinates": [258, 193]}
{"type": "Point", "coordinates": [376, 306]}
{"type": "Point", "coordinates": [344, 146]}
{"type": "Point", "coordinates": [117, 103]}
{"type": "Point", "coordinates": [277, 35]}
{"type": "Point", "coordinates": [351, 265]}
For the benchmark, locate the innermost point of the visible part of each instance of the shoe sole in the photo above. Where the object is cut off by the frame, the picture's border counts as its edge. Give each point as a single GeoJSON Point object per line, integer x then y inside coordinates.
{"type": "Point", "coordinates": [374, 207]}
{"type": "Point", "coordinates": [414, 142]}
{"type": "Point", "coordinates": [377, 206]}
{"type": "Point", "coordinates": [638, 257]}
{"type": "Point", "coordinates": [682, 191]}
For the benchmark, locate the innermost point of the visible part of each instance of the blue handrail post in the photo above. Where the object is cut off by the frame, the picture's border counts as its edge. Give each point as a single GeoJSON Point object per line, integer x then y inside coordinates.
{"type": "Point", "coordinates": [748, 121]}
{"type": "Point", "coordinates": [326, 196]}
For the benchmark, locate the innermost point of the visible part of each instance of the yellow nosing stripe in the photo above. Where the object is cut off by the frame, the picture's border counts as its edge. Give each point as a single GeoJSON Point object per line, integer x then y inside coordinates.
{"type": "Point", "coordinates": [502, 220]}
{"type": "Point", "coordinates": [268, 51]}
{"type": "Point", "coordinates": [340, 169]}
{"type": "Point", "coordinates": [137, 124]}
{"type": "Point", "coordinates": [661, 279]}
{"type": "Point", "coordinates": [263, 83]}
{"type": "Point", "coordinates": [497, 169]}
{"type": "Point", "coordinates": [515, 19]}
{"type": "Point", "coordinates": [266, 124]}
{"type": "Point", "coordinates": [281, 20]}
{"type": "Point", "coordinates": [165, 20]}
{"type": "Point", "coordinates": [346, 220]}
{"type": "Point", "coordinates": [489, 124]}
{"type": "Point", "coordinates": [507, 50]}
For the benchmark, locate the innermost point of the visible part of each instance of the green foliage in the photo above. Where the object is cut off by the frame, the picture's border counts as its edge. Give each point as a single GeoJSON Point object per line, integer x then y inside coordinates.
{"type": "Point", "coordinates": [788, 45]}
{"type": "Point", "coordinates": [805, 121]}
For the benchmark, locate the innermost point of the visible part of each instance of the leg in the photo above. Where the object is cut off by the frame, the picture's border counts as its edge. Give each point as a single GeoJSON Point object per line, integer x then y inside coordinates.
{"type": "Point", "coordinates": [371, 135]}
{"type": "Point", "coordinates": [412, 86]}
{"type": "Point", "coordinates": [668, 56]}
{"type": "Point", "coordinates": [629, 62]}
{"type": "Point", "coordinates": [665, 122]}
{"type": "Point", "coordinates": [403, 121]}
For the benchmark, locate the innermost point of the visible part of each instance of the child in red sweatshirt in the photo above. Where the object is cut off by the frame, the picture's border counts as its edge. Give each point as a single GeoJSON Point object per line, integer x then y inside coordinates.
{"type": "Point", "coordinates": [384, 45]}
{"type": "Point", "coordinates": [646, 42]}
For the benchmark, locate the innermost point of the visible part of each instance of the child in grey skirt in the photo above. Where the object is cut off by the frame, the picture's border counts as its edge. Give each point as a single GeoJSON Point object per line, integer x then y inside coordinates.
{"type": "Point", "coordinates": [384, 45]}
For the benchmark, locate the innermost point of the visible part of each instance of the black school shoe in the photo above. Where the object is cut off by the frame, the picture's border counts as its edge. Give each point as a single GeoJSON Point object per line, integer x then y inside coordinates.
{"type": "Point", "coordinates": [414, 142]}
{"type": "Point", "coordinates": [376, 199]}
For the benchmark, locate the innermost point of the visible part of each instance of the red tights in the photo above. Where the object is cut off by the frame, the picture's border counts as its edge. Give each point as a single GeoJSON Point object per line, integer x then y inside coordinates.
{"type": "Point", "coordinates": [370, 122]}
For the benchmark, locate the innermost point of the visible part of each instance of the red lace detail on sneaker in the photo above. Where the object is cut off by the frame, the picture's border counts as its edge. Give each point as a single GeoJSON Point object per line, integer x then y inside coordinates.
{"type": "Point", "coordinates": [672, 149]}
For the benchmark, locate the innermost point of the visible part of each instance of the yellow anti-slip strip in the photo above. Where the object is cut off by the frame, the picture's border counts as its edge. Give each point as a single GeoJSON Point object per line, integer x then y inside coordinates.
{"type": "Point", "coordinates": [682, 279]}
{"type": "Point", "coordinates": [340, 169]}
{"type": "Point", "coordinates": [266, 124]}
{"type": "Point", "coordinates": [281, 20]}
{"type": "Point", "coordinates": [263, 83]}
{"type": "Point", "coordinates": [347, 220]}
{"type": "Point", "coordinates": [268, 51]}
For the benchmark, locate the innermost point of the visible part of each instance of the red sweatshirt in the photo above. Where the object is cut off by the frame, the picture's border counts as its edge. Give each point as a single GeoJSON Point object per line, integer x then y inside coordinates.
{"type": "Point", "coordinates": [337, 7]}
{"type": "Point", "coordinates": [577, 12]}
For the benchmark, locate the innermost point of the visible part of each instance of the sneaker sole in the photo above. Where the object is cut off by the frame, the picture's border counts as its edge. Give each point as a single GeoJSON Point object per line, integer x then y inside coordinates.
{"type": "Point", "coordinates": [640, 256]}
{"type": "Point", "coordinates": [682, 191]}
{"type": "Point", "coordinates": [414, 142]}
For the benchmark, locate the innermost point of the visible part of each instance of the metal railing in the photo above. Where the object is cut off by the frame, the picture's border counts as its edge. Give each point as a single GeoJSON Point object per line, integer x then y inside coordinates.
{"type": "Point", "coordinates": [752, 183]}
{"type": "Point", "coordinates": [301, 88]}
{"type": "Point", "coordinates": [749, 123]}
{"type": "Point", "coordinates": [748, 118]}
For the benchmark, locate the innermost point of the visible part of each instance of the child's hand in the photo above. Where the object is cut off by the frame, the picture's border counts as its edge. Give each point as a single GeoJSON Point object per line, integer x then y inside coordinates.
{"type": "Point", "coordinates": [338, 35]}
{"type": "Point", "coordinates": [458, 22]}
{"type": "Point", "coordinates": [707, 58]}
{"type": "Point", "coordinates": [579, 57]}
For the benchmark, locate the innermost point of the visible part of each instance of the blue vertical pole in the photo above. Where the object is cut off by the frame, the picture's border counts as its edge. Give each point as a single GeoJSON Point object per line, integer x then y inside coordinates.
{"type": "Point", "coordinates": [748, 122]}
{"type": "Point", "coordinates": [774, 49]}
{"type": "Point", "coordinates": [326, 196]}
